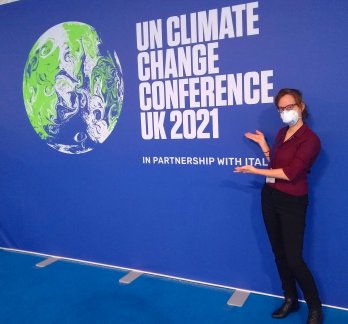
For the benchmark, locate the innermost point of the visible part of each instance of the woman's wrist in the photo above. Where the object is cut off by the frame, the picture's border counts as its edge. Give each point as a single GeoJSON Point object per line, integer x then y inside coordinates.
{"type": "Point", "coordinates": [264, 147]}
{"type": "Point", "coordinates": [266, 151]}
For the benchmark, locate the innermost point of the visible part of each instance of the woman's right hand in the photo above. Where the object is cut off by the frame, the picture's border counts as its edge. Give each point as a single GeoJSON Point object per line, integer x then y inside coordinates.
{"type": "Point", "coordinates": [257, 137]}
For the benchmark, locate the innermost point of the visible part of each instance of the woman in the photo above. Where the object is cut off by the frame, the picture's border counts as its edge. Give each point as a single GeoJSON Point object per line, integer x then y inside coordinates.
{"type": "Point", "coordinates": [285, 199]}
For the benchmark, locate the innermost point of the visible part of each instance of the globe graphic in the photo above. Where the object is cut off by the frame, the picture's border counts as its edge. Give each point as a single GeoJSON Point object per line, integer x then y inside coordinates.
{"type": "Point", "coordinates": [73, 92]}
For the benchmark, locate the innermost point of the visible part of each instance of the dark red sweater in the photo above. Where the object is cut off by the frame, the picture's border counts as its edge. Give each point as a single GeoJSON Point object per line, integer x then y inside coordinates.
{"type": "Point", "coordinates": [295, 157]}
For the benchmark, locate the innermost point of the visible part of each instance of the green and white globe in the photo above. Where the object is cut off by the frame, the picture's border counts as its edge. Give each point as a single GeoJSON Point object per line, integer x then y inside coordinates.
{"type": "Point", "coordinates": [73, 93]}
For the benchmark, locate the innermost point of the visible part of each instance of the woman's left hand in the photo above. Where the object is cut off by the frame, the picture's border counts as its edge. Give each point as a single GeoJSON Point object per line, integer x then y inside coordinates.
{"type": "Point", "coordinates": [245, 169]}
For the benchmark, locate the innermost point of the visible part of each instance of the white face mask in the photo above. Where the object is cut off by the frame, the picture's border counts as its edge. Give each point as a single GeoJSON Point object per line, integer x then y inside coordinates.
{"type": "Point", "coordinates": [289, 117]}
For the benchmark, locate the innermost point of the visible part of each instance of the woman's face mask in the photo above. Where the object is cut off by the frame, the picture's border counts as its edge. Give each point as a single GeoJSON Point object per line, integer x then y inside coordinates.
{"type": "Point", "coordinates": [289, 117]}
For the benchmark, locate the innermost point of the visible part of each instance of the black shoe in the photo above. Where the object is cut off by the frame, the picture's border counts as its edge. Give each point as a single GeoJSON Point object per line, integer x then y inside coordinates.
{"type": "Point", "coordinates": [289, 305]}
{"type": "Point", "coordinates": [315, 316]}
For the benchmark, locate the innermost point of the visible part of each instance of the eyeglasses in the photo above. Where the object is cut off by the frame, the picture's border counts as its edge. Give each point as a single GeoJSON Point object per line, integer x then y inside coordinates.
{"type": "Point", "coordinates": [286, 108]}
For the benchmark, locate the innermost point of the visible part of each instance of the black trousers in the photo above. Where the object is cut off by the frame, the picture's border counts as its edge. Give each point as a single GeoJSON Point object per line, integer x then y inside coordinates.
{"type": "Point", "coordinates": [284, 216]}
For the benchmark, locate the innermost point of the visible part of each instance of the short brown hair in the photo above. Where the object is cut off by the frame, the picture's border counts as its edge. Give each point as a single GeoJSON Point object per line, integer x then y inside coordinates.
{"type": "Point", "coordinates": [296, 94]}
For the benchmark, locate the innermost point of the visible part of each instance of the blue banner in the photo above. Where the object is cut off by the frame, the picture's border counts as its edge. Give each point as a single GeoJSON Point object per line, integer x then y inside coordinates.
{"type": "Point", "coordinates": [122, 122]}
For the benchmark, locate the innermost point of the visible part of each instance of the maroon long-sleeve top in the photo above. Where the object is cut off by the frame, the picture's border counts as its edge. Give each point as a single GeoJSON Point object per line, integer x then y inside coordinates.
{"type": "Point", "coordinates": [295, 156]}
